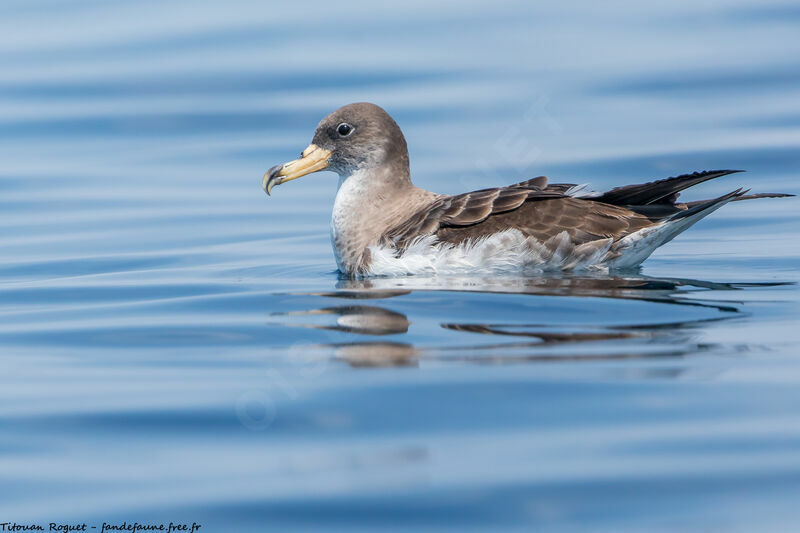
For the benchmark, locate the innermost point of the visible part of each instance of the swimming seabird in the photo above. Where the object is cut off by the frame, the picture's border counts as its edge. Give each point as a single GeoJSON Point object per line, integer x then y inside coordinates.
{"type": "Point", "coordinates": [383, 224]}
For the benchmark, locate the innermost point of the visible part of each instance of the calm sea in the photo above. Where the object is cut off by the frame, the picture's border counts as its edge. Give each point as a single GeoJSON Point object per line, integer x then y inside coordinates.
{"type": "Point", "coordinates": [176, 346]}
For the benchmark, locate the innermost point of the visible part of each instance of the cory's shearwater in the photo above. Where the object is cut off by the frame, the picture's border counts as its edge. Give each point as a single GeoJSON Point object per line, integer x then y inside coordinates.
{"type": "Point", "coordinates": [384, 225]}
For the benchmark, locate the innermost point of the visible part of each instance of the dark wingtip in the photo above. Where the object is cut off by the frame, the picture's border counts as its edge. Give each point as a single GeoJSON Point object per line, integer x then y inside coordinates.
{"type": "Point", "coordinates": [720, 172]}
{"type": "Point", "coordinates": [663, 191]}
{"type": "Point", "coordinates": [765, 195]}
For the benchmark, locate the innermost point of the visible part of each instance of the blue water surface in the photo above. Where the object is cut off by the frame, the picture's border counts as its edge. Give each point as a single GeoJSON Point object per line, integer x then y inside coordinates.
{"type": "Point", "coordinates": [176, 346]}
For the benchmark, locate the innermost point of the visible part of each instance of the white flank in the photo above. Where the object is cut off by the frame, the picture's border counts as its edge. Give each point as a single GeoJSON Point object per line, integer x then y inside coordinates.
{"type": "Point", "coordinates": [505, 252]}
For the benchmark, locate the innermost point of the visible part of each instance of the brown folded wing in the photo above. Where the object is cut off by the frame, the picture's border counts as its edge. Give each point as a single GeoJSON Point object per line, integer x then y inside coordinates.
{"type": "Point", "coordinates": [531, 207]}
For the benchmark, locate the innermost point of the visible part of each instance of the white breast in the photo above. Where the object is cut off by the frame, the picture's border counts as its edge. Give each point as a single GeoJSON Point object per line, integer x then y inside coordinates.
{"type": "Point", "coordinates": [347, 232]}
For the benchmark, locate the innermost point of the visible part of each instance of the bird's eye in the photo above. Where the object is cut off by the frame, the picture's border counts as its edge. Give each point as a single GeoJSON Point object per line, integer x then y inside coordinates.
{"type": "Point", "coordinates": [344, 129]}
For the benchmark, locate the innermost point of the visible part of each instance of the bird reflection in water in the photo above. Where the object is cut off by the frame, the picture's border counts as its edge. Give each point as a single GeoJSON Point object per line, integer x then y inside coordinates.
{"type": "Point", "coordinates": [366, 320]}
{"type": "Point", "coordinates": [532, 342]}
{"type": "Point", "coordinates": [361, 319]}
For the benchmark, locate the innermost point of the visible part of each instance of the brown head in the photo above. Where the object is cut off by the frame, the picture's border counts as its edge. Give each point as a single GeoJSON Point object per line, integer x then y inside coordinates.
{"type": "Point", "coordinates": [356, 137]}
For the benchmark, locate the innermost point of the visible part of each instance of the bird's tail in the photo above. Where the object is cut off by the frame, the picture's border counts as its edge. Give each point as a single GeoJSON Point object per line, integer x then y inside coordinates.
{"type": "Point", "coordinates": [633, 249]}
{"type": "Point", "coordinates": [706, 207]}
{"type": "Point", "coordinates": [745, 197]}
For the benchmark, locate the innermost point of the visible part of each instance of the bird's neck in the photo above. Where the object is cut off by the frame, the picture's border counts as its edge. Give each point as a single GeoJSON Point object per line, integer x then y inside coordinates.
{"type": "Point", "coordinates": [368, 203]}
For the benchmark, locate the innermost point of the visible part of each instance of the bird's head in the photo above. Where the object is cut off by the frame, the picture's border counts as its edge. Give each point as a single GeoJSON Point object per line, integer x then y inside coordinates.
{"type": "Point", "coordinates": [356, 137]}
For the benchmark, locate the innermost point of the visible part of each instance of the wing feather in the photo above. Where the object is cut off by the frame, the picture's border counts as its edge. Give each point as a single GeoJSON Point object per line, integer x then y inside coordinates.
{"type": "Point", "coordinates": [531, 207]}
{"type": "Point", "coordinates": [545, 211]}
